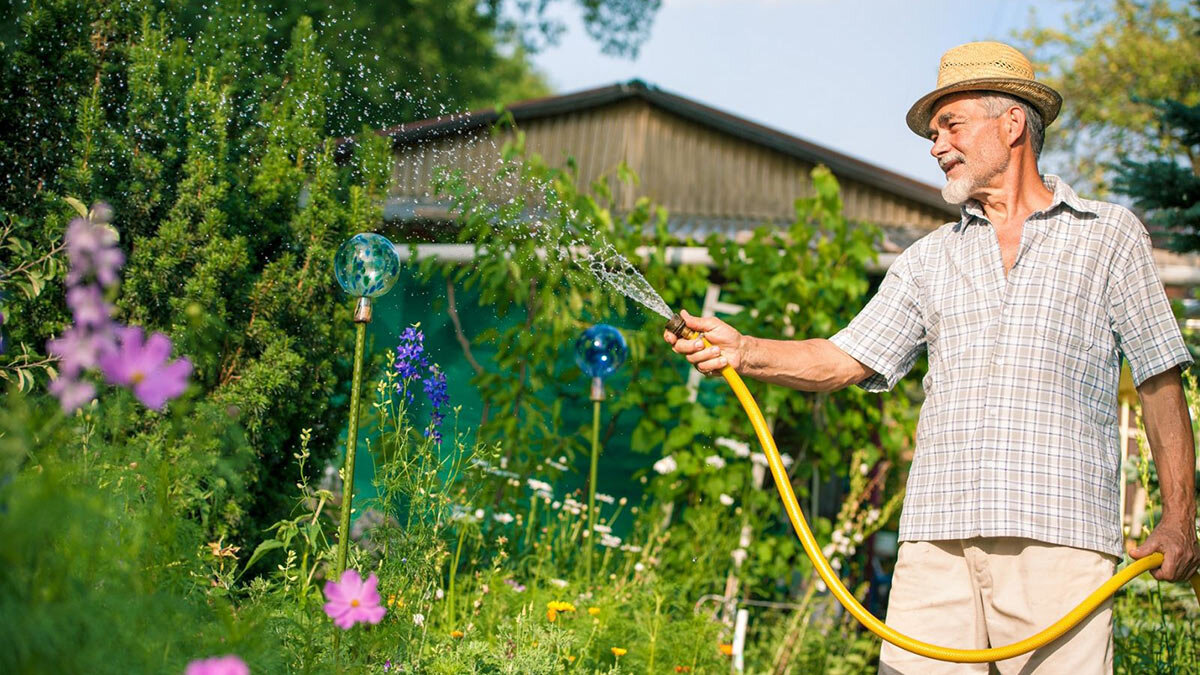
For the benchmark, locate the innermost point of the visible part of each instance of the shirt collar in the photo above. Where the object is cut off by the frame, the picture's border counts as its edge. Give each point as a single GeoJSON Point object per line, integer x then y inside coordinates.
{"type": "Point", "coordinates": [1063, 194]}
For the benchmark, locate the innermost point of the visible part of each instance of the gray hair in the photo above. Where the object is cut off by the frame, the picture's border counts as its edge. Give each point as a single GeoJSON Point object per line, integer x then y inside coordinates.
{"type": "Point", "coordinates": [996, 103]}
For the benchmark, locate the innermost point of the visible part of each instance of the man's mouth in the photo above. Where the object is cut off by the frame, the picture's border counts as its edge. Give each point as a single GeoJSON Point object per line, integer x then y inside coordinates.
{"type": "Point", "coordinates": [949, 164]}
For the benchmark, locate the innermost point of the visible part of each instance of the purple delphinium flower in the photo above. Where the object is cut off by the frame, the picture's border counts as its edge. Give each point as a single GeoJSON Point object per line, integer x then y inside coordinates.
{"type": "Point", "coordinates": [79, 349]}
{"type": "Point", "coordinates": [71, 392]}
{"type": "Point", "coordinates": [92, 249]}
{"type": "Point", "coordinates": [410, 355]}
{"type": "Point", "coordinates": [88, 306]}
{"type": "Point", "coordinates": [229, 664]}
{"type": "Point", "coordinates": [353, 600]}
{"type": "Point", "coordinates": [435, 389]}
{"type": "Point", "coordinates": [141, 365]}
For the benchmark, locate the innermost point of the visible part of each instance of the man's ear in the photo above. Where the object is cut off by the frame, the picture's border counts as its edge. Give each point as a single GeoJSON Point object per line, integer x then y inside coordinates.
{"type": "Point", "coordinates": [1014, 125]}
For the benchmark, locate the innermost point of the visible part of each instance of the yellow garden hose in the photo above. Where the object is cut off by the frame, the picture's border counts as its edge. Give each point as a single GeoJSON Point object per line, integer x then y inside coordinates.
{"type": "Point", "coordinates": [852, 605]}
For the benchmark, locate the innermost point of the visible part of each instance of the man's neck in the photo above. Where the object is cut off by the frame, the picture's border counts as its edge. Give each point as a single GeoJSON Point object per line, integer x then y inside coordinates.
{"type": "Point", "coordinates": [1014, 195]}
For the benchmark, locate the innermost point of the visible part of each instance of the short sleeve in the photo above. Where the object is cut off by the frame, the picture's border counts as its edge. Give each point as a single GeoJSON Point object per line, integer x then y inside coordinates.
{"type": "Point", "coordinates": [1145, 329]}
{"type": "Point", "coordinates": [888, 334]}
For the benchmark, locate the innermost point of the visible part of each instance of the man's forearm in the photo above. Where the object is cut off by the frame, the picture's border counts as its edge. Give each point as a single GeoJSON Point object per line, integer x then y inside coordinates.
{"type": "Point", "coordinates": [1169, 432]}
{"type": "Point", "coordinates": [806, 365]}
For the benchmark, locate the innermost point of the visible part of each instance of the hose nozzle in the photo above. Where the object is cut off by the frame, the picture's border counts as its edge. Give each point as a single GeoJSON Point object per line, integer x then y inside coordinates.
{"type": "Point", "coordinates": [679, 328]}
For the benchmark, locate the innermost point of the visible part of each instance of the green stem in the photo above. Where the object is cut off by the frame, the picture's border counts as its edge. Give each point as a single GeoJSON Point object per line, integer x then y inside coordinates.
{"type": "Point", "coordinates": [591, 531]}
{"type": "Point", "coordinates": [351, 448]}
{"type": "Point", "coordinates": [462, 533]}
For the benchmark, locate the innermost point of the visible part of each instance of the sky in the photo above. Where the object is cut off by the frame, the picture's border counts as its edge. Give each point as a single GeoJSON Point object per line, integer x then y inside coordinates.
{"type": "Point", "coordinates": [840, 74]}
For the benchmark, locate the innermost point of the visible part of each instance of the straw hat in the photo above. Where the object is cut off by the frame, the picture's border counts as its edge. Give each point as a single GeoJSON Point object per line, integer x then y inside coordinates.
{"type": "Point", "coordinates": [985, 66]}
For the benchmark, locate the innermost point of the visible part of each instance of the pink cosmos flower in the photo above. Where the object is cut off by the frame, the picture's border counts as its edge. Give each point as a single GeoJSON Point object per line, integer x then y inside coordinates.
{"type": "Point", "coordinates": [141, 365]}
{"type": "Point", "coordinates": [218, 665]}
{"type": "Point", "coordinates": [353, 600]}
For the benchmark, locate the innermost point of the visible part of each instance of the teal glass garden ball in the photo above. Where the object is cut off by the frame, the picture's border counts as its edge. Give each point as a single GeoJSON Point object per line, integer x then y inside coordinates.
{"type": "Point", "coordinates": [366, 265]}
{"type": "Point", "coordinates": [600, 350]}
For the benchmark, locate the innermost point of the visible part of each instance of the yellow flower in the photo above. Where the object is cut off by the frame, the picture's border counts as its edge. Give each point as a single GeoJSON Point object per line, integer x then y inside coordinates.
{"type": "Point", "coordinates": [593, 610]}
{"type": "Point", "coordinates": [551, 614]}
{"type": "Point", "coordinates": [560, 606]}
{"type": "Point", "coordinates": [618, 651]}
{"type": "Point", "coordinates": [570, 658]}
{"type": "Point", "coordinates": [456, 633]}
{"type": "Point", "coordinates": [391, 600]}
{"type": "Point", "coordinates": [726, 649]}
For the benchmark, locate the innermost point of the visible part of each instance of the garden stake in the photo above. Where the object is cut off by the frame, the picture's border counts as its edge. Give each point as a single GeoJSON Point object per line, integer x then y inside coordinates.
{"type": "Point", "coordinates": [598, 353]}
{"type": "Point", "coordinates": [366, 266]}
{"type": "Point", "coordinates": [679, 328]}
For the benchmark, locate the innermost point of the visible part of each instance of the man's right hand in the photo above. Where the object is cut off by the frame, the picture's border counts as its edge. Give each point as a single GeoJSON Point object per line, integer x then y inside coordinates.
{"type": "Point", "coordinates": [728, 345]}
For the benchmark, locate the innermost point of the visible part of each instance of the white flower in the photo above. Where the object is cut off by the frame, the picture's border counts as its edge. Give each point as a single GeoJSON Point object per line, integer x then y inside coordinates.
{"type": "Point", "coordinates": [623, 501]}
{"type": "Point", "coordinates": [857, 538]}
{"type": "Point", "coordinates": [604, 498]}
{"type": "Point", "coordinates": [787, 460]}
{"type": "Point", "coordinates": [715, 461]}
{"type": "Point", "coordinates": [631, 548]}
{"type": "Point", "coordinates": [638, 567]}
{"type": "Point", "coordinates": [561, 583]}
{"type": "Point", "coordinates": [873, 515]}
{"type": "Point", "coordinates": [827, 551]}
{"type": "Point", "coordinates": [418, 619]}
{"type": "Point", "coordinates": [504, 518]}
{"type": "Point", "coordinates": [863, 469]}
{"type": "Point", "coordinates": [726, 499]}
{"type": "Point", "coordinates": [438, 594]}
{"type": "Point", "coordinates": [609, 541]}
{"type": "Point", "coordinates": [603, 529]}
{"type": "Point", "coordinates": [740, 449]}
{"type": "Point", "coordinates": [666, 465]}
{"type": "Point", "coordinates": [738, 555]}
{"type": "Point", "coordinates": [836, 563]}
{"type": "Point", "coordinates": [539, 486]}
{"type": "Point", "coordinates": [478, 514]}
{"type": "Point", "coordinates": [759, 458]}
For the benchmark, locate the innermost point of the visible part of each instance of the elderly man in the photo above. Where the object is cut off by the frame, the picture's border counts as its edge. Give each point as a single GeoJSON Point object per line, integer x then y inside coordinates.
{"type": "Point", "coordinates": [1024, 306]}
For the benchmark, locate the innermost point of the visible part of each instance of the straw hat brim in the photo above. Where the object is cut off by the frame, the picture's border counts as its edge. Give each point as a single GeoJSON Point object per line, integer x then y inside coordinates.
{"type": "Point", "coordinates": [1044, 99]}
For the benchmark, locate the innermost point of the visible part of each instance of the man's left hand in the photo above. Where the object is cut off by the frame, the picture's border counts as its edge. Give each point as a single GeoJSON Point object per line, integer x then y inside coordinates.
{"type": "Point", "coordinates": [1176, 540]}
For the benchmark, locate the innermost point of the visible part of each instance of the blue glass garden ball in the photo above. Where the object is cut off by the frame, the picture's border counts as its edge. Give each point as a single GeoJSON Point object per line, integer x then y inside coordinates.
{"type": "Point", "coordinates": [367, 265]}
{"type": "Point", "coordinates": [600, 350]}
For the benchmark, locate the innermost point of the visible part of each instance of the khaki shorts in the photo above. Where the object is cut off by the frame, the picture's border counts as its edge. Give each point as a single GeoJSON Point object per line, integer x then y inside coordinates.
{"type": "Point", "coordinates": [992, 592]}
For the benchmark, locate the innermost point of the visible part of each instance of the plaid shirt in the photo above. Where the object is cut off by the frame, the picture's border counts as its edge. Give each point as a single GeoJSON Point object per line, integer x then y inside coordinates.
{"type": "Point", "coordinates": [1018, 433]}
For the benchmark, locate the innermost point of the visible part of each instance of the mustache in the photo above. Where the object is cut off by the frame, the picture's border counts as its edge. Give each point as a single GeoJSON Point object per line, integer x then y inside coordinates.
{"type": "Point", "coordinates": [946, 161]}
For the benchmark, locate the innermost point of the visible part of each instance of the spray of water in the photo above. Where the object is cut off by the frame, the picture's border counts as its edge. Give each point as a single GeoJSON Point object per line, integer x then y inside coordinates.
{"type": "Point", "coordinates": [612, 268]}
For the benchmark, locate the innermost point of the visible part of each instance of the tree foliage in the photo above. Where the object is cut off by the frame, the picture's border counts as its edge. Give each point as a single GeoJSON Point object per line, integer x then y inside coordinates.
{"type": "Point", "coordinates": [1167, 189]}
{"type": "Point", "coordinates": [1106, 57]}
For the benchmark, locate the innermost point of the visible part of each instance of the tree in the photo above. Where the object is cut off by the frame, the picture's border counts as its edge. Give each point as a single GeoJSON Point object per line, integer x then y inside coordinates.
{"type": "Point", "coordinates": [1107, 55]}
{"type": "Point", "coordinates": [1166, 188]}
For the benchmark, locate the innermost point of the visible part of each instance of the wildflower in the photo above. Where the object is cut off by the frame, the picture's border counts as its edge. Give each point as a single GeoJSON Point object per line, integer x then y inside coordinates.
{"type": "Point", "coordinates": [353, 600]}
{"type": "Point", "coordinates": [418, 619]}
{"type": "Point", "coordinates": [503, 518]}
{"type": "Point", "coordinates": [725, 499]}
{"type": "Point", "coordinates": [410, 355]}
{"type": "Point", "coordinates": [456, 634]}
{"type": "Point", "coordinates": [560, 583]}
{"type": "Point", "coordinates": [863, 469]}
{"type": "Point", "coordinates": [666, 465]}
{"type": "Point", "coordinates": [607, 499]}
{"type": "Point", "coordinates": [740, 449]}
{"type": "Point", "coordinates": [619, 651]}
{"type": "Point", "coordinates": [229, 664]}
{"type": "Point", "coordinates": [79, 349]}
{"type": "Point", "coordinates": [726, 649]}
{"type": "Point", "coordinates": [609, 541]}
{"type": "Point", "coordinates": [435, 390]}
{"type": "Point", "coordinates": [88, 306]}
{"type": "Point", "coordinates": [539, 486]}
{"type": "Point", "coordinates": [517, 588]}
{"type": "Point", "coordinates": [738, 555]}
{"type": "Point", "coordinates": [92, 249]}
{"type": "Point", "coordinates": [391, 600]}
{"type": "Point", "coordinates": [593, 610]}
{"type": "Point", "coordinates": [603, 529]}
{"type": "Point", "coordinates": [71, 393]}
{"type": "Point", "coordinates": [141, 365]}
{"type": "Point", "coordinates": [715, 461]}
{"type": "Point", "coordinates": [478, 514]}
{"type": "Point", "coordinates": [638, 567]}
{"type": "Point", "coordinates": [387, 666]}
{"type": "Point", "coordinates": [439, 594]}
{"type": "Point", "coordinates": [570, 658]}
{"type": "Point", "coordinates": [683, 669]}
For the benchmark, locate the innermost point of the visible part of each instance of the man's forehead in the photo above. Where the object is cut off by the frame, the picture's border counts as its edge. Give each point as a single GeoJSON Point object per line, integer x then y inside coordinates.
{"type": "Point", "coordinates": [954, 106]}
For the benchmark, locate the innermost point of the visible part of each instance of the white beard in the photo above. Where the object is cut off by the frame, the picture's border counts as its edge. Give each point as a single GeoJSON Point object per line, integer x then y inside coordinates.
{"type": "Point", "coordinates": [958, 191]}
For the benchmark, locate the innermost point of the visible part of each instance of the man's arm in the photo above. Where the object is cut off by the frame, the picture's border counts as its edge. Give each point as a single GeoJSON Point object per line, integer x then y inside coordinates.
{"type": "Point", "coordinates": [806, 365]}
{"type": "Point", "coordinates": [1169, 431]}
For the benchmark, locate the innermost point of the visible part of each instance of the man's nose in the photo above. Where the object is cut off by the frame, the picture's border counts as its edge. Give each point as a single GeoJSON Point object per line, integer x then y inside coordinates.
{"type": "Point", "coordinates": [940, 147]}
